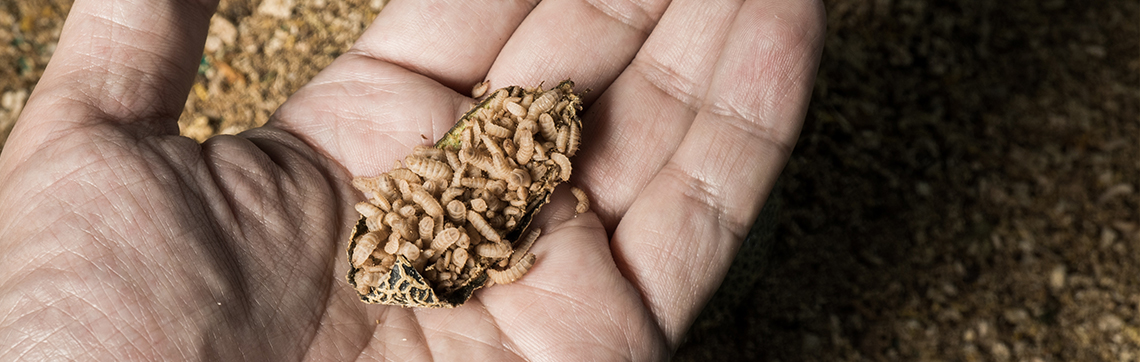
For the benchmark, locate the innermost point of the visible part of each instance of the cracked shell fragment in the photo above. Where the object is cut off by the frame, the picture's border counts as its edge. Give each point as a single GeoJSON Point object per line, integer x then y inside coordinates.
{"type": "Point", "coordinates": [411, 268]}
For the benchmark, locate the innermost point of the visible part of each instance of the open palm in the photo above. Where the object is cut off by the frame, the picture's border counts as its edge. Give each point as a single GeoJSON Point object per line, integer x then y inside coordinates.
{"type": "Point", "coordinates": [120, 239]}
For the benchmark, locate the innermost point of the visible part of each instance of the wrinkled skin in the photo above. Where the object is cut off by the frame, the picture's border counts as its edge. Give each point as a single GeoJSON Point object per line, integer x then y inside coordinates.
{"type": "Point", "coordinates": [121, 240]}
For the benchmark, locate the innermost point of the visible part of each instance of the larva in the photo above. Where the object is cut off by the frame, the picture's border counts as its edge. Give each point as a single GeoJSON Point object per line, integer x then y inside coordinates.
{"type": "Point", "coordinates": [561, 106]}
{"type": "Point", "coordinates": [480, 89]}
{"type": "Point", "coordinates": [473, 182]}
{"type": "Point", "coordinates": [507, 122]}
{"type": "Point", "coordinates": [451, 193]}
{"type": "Point", "coordinates": [515, 109]}
{"type": "Point", "coordinates": [427, 228]}
{"type": "Point", "coordinates": [523, 245]}
{"type": "Point", "coordinates": [365, 245]}
{"type": "Point", "coordinates": [482, 162]}
{"type": "Point", "coordinates": [518, 178]}
{"type": "Point", "coordinates": [544, 102]}
{"type": "Point", "coordinates": [393, 244]}
{"type": "Point", "coordinates": [379, 186]}
{"type": "Point", "coordinates": [428, 168]}
{"type": "Point", "coordinates": [433, 186]}
{"type": "Point", "coordinates": [537, 172]}
{"type": "Point", "coordinates": [497, 98]}
{"type": "Point", "coordinates": [575, 139]}
{"type": "Point", "coordinates": [509, 149]}
{"type": "Point", "coordinates": [479, 205]}
{"type": "Point", "coordinates": [540, 152]}
{"type": "Point", "coordinates": [407, 211]}
{"type": "Point", "coordinates": [407, 230]}
{"type": "Point", "coordinates": [457, 175]}
{"type": "Point", "coordinates": [445, 239]}
{"type": "Point", "coordinates": [452, 159]}
{"type": "Point", "coordinates": [493, 203]}
{"type": "Point", "coordinates": [492, 147]}
{"type": "Point", "coordinates": [482, 226]}
{"type": "Point", "coordinates": [466, 139]}
{"type": "Point", "coordinates": [527, 99]}
{"type": "Point", "coordinates": [427, 202]}
{"type": "Point", "coordinates": [496, 187]}
{"type": "Point", "coordinates": [404, 190]}
{"type": "Point", "coordinates": [515, 272]}
{"type": "Point", "coordinates": [546, 127]}
{"type": "Point", "coordinates": [497, 131]}
{"type": "Point", "coordinates": [502, 166]}
{"type": "Point", "coordinates": [583, 200]}
{"type": "Point", "coordinates": [410, 251]}
{"type": "Point", "coordinates": [427, 152]}
{"type": "Point", "coordinates": [525, 141]}
{"type": "Point", "coordinates": [381, 202]}
{"type": "Point", "coordinates": [368, 209]}
{"type": "Point", "coordinates": [563, 164]}
{"type": "Point", "coordinates": [563, 139]}
{"type": "Point", "coordinates": [406, 175]}
{"type": "Point", "coordinates": [458, 260]}
{"type": "Point", "coordinates": [456, 211]}
{"type": "Point", "coordinates": [464, 241]}
{"type": "Point", "coordinates": [392, 218]}
{"type": "Point", "coordinates": [493, 250]}
{"type": "Point", "coordinates": [374, 224]}
{"type": "Point", "coordinates": [476, 132]}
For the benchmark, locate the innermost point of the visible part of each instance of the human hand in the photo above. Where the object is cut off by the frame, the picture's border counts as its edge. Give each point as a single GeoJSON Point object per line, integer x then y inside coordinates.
{"type": "Point", "coordinates": [122, 240]}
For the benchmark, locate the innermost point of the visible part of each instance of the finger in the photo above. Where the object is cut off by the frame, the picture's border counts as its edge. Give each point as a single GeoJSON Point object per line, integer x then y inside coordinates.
{"type": "Point", "coordinates": [123, 60]}
{"type": "Point", "coordinates": [638, 122]}
{"type": "Point", "coordinates": [452, 42]}
{"type": "Point", "coordinates": [589, 42]}
{"type": "Point", "coordinates": [696, 210]}
{"type": "Point", "coordinates": [397, 87]}
{"type": "Point", "coordinates": [366, 114]}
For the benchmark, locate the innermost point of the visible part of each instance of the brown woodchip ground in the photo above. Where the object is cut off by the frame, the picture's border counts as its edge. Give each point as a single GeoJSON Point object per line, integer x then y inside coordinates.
{"type": "Point", "coordinates": [964, 189]}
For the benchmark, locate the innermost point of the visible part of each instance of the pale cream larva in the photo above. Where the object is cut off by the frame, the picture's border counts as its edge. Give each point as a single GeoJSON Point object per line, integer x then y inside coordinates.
{"type": "Point", "coordinates": [365, 246]}
{"type": "Point", "coordinates": [480, 89]}
{"type": "Point", "coordinates": [456, 211]}
{"type": "Point", "coordinates": [575, 139]}
{"type": "Point", "coordinates": [546, 127]}
{"type": "Point", "coordinates": [563, 164]}
{"type": "Point", "coordinates": [583, 200]}
{"type": "Point", "coordinates": [512, 274]}
{"type": "Point", "coordinates": [493, 250]}
{"type": "Point", "coordinates": [497, 131]}
{"type": "Point", "coordinates": [428, 168]}
{"type": "Point", "coordinates": [427, 202]}
{"type": "Point", "coordinates": [515, 109]}
{"type": "Point", "coordinates": [544, 102]}
{"type": "Point", "coordinates": [482, 226]}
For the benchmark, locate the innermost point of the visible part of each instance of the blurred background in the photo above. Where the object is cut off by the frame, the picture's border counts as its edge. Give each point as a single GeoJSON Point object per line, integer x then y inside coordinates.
{"type": "Point", "coordinates": [964, 188]}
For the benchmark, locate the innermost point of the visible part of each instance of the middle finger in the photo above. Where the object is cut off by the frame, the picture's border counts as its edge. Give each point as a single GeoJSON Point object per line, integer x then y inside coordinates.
{"type": "Point", "coordinates": [588, 41]}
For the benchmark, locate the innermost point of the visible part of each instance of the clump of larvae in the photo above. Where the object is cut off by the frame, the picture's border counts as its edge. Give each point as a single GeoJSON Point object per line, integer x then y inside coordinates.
{"type": "Point", "coordinates": [448, 210]}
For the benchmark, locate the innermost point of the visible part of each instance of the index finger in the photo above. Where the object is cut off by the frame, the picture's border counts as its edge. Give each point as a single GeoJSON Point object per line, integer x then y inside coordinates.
{"type": "Point", "coordinates": [453, 43]}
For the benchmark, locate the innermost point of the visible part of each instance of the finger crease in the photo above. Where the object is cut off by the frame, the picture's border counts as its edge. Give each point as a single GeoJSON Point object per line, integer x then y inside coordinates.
{"type": "Point", "coordinates": [701, 192]}
{"type": "Point", "coordinates": [668, 81]}
{"type": "Point", "coordinates": [740, 122]}
{"type": "Point", "coordinates": [637, 19]}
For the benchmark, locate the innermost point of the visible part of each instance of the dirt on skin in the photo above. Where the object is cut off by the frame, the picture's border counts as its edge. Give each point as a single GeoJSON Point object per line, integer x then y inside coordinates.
{"type": "Point", "coordinates": [964, 189]}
